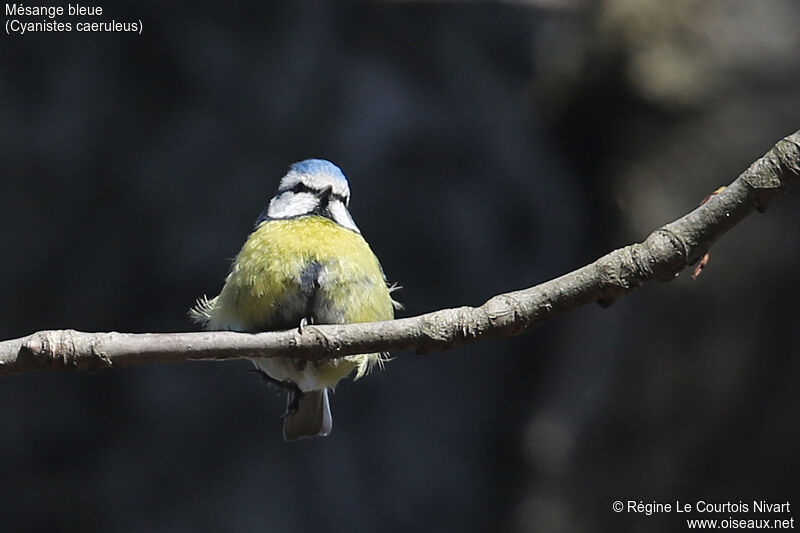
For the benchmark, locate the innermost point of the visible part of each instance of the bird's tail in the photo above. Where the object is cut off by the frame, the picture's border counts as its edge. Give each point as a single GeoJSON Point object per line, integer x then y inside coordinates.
{"type": "Point", "coordinates": [310, 418]}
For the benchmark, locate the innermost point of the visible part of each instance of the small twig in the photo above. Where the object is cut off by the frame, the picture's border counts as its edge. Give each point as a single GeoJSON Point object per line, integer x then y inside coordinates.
{"type": "Point", "coordinates": [698, 269]}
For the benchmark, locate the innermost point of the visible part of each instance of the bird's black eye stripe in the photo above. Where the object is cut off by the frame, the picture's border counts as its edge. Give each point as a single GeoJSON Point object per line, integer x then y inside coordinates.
{"type": "Point", "coordinates": [301, 187]}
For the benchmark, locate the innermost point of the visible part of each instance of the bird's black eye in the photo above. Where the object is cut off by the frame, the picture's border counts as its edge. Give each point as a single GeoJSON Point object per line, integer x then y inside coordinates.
{"type": "Point", "coordinates": [300, 187]}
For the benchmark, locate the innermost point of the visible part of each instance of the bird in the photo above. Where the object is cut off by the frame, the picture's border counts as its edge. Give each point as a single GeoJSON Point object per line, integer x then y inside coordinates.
{"type": "Point", "coordinates": [305, 262]}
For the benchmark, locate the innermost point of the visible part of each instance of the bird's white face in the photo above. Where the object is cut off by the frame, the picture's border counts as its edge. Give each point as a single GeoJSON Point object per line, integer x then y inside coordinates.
{"type": "Point", "coordinates": [313, 187]}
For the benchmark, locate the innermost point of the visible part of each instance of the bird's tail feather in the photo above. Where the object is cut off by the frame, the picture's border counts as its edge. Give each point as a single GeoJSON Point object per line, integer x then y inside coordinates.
{"type": "Point", "coordinates": [311, 418]}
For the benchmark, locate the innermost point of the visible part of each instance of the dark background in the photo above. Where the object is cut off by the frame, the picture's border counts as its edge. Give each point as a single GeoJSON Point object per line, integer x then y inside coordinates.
{"type": "Point", "coordinates": [489, 147]}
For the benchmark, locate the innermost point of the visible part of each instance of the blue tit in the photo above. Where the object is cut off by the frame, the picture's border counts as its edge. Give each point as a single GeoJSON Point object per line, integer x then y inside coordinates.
{"type": "Point", "coordinates": [304, 263]}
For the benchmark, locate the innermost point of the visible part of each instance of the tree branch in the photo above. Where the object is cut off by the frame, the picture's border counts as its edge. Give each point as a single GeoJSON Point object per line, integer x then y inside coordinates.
{"type": "Point", "coordinates": [661, 256]}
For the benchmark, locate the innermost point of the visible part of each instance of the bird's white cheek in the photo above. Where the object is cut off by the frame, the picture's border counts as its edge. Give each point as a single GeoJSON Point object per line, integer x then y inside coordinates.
{"type": "Point", "coordinates": [342, 216]}
{"type": "Point", "coordinates": [291, 204]}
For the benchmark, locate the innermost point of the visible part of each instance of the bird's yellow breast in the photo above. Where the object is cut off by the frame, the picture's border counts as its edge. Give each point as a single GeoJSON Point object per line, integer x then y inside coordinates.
{"type": "Point", "coordinates": [294, 267]}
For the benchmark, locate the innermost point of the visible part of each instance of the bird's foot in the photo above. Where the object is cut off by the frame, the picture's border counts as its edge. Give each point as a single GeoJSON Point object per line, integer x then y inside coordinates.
{"type": "Point", "coordinates": [305, 321]}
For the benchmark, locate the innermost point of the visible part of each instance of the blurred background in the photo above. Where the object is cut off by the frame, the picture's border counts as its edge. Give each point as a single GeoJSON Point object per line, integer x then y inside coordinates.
{"type": "Point", "coordinates": [489, 147]}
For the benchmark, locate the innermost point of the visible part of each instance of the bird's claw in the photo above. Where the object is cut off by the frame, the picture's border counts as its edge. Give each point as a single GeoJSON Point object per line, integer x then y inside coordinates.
{"type": "Point", "coordinates": [305, 321]}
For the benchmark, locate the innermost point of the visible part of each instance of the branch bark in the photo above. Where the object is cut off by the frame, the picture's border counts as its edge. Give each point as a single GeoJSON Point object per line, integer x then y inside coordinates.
{"type": "Point", "coordinates": [661, 256]}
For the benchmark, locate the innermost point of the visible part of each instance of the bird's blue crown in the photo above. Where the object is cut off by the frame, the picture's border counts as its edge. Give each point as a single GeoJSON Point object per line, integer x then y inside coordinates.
{"type": "Point", "coordinates": [318, 166]}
